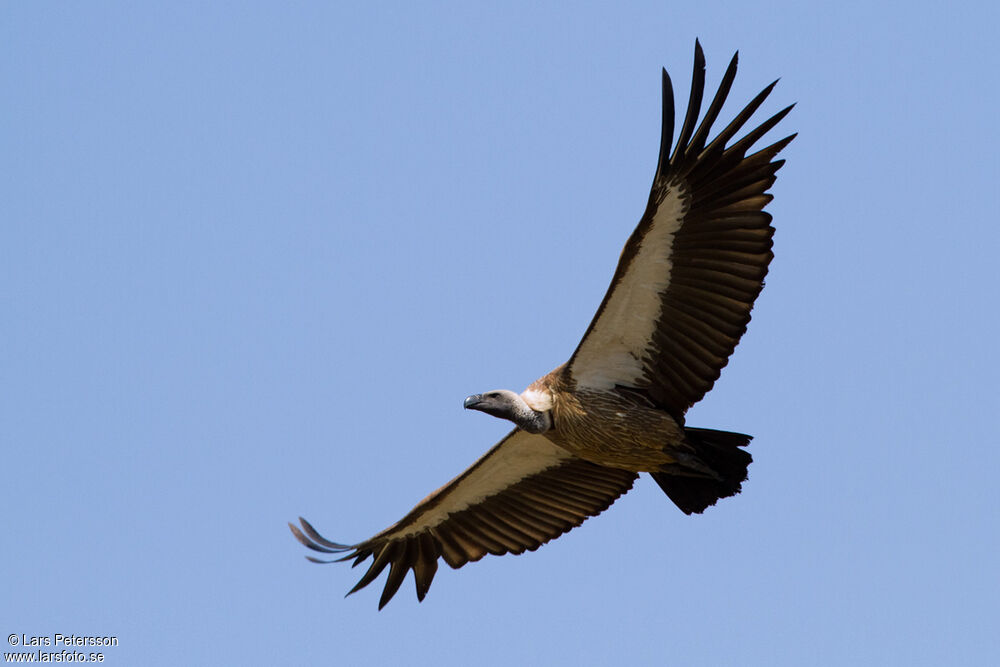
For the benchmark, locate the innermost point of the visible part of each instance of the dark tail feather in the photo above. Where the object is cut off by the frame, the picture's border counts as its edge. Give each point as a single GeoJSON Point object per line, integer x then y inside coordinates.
{"type": "Point", "coordinates": [718, 450]}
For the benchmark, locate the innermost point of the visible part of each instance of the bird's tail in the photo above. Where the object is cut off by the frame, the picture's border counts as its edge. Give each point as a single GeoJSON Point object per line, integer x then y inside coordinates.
{"type": "Point", "coordinates": [722, 454]}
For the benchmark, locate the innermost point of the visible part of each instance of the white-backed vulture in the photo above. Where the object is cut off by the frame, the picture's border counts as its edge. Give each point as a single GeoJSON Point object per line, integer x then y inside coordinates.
{"type": "Point", "coordinates": [678, 303]}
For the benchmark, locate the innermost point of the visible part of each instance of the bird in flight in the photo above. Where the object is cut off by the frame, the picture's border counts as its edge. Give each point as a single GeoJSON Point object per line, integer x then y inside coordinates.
{"type": "Point", "coordinates": [678, 303]}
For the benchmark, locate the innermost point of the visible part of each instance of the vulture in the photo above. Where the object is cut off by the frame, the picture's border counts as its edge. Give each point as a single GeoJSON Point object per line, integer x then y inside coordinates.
{"type": "Point", "coordinates": [679, 300]}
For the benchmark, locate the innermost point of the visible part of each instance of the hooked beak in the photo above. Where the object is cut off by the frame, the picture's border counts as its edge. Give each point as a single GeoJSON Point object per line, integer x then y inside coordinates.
{"type": "Point", "coordinates": [472, 401]}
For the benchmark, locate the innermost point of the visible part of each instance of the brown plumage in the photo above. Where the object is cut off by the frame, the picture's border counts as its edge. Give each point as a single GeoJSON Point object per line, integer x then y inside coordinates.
{"type": "Point", "coordinates": [678, 303]}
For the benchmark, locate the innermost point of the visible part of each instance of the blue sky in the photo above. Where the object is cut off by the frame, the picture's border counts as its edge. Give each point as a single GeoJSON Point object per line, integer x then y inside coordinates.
{"type": "Point", "coordinates": [254, 256]}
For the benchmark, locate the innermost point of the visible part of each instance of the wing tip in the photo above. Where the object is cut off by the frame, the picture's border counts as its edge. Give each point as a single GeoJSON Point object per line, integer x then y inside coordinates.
{"type": "Point", "coordinates": [310, 537]}
{"type": "Point", "coordinates": [699, 54]}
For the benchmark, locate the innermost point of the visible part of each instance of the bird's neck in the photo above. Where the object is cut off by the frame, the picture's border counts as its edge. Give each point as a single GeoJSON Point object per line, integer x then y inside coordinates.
{"type": "Point", "coordinates": [532, 421]}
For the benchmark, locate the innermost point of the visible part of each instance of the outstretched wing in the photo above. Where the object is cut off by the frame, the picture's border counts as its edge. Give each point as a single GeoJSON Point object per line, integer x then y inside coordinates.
{"type": "Point", "coordinates": [681, 296]}
{"type": "Point", "coordinates": [522, 493]}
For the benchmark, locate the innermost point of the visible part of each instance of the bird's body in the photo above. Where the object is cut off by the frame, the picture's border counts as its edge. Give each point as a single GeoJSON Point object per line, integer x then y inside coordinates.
{"type": "Point", "coordinates": [679, 301]}
{"type": "Point", "coordinates": [612, 428]}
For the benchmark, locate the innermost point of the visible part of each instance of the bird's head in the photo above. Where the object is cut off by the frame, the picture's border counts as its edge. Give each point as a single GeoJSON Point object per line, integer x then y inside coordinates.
{"type": "Point", "coordinates": [500, 403]}
{"type": "Point", "coordinates": [505, 404]}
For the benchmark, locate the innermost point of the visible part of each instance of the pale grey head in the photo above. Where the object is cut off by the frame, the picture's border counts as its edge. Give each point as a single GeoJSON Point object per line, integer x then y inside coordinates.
{"type": "Point", "coordinates": [506, 404]}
